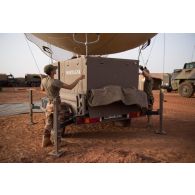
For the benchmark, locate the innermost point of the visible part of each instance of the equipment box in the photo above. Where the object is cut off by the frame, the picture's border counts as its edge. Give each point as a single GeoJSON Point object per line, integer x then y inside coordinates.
{"type": "Point", "coordinates": [99, 72]}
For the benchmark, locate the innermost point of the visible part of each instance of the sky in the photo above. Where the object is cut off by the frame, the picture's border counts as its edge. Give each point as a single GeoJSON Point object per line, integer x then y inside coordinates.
{"type": "Point", "coordinates": [16, 58]}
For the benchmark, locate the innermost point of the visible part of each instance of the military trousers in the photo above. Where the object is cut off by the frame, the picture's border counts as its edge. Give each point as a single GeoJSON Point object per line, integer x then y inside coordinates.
{"type": "Point", "coordinates": [49, 119]}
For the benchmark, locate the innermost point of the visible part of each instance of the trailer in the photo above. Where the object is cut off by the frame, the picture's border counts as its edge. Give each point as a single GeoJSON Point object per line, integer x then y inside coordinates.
{"type": "Point", "coordinates": [105, 79]}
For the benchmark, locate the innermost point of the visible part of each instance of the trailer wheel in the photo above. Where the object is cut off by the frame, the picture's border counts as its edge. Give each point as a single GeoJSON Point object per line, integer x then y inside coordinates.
{"type": "Point", "coordinates": [186, 89]}
{"type": "Point", "coordinates": [123, 123]}
{"type": "Point", "coordinates": [67, 113]}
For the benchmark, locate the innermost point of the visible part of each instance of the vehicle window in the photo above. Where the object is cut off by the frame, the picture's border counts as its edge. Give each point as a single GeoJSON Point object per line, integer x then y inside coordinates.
{"type": "Point", "coordinates": [192, 65]}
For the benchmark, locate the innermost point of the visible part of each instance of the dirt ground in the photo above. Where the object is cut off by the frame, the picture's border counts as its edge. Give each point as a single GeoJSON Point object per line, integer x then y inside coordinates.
{"type": "Point", "coordinates": [103, 142]}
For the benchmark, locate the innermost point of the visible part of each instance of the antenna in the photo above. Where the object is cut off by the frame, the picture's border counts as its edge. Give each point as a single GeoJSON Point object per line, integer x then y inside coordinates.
{"type": "Point", "coordinates": [193, 51]}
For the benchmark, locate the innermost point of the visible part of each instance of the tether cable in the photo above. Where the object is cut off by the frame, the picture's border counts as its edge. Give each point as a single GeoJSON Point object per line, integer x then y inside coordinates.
{"type": "Point", "coordinates": [33, 56]}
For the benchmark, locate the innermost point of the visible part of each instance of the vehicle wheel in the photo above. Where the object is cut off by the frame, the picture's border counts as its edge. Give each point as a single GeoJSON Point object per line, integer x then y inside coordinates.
{"type": "Point", "coordinates": [33, 84]}
{"type": "Point", "coordinates": [169, 90]}
{"type": "Point", "coordinates": [186, 89]}
{"type": "Point", "coordinates": [67, 114]}
{"type": "Point", "coordinates": [123, 123]}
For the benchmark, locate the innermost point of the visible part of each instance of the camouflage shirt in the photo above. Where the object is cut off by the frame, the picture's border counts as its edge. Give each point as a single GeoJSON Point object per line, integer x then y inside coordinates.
{"type": "Point", "coordinates": [52, 87]}
{"type": "Point", "coordinates": [148, 85]}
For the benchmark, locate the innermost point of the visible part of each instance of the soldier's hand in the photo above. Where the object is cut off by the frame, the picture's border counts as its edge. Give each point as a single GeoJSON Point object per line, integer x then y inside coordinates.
{"type": "Point", "coordinates": [141, 67]}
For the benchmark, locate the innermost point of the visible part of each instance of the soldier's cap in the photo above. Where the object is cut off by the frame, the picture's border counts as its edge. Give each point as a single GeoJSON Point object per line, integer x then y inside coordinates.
{"type": "Point", "coordinates": [48, 68]}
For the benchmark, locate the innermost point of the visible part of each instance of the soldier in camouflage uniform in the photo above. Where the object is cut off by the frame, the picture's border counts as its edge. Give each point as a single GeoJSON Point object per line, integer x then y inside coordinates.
{"type": "Point", "coordinates": [148, 85]}
{"type": "Point", "coordinates": [52, 88]}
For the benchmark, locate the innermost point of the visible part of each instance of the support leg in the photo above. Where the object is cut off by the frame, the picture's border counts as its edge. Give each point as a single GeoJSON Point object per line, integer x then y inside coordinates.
{"type": "Point", "coordinates": [161, 129]}
{"type": "Point", "coordinates": [30, 108]}
{"type": "Point", "coordinates": [56, 152]}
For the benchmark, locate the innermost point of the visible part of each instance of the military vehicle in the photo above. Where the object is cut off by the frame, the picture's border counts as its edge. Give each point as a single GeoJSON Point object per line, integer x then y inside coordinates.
{"type": "Point", "coordinates": [7, 80]}
{"type": "Point", "coordinates": [20, 81]}
{"type": "Point", "coordinates": [183, 80]}
{"type": "Point", "coordinates": [3, 80]}
{"type": "Point", "coordinates": [32, 80]}
{"type": "Point", "coordinates": [166, 78]}
{"type": "Point", "coordinates": [12, 82]}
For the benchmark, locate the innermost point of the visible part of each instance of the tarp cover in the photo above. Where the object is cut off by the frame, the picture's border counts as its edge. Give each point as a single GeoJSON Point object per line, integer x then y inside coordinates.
{"type": "Point", "coordinates": [113, 93]}
{"type": "Point", "coordinates": [108, 43]}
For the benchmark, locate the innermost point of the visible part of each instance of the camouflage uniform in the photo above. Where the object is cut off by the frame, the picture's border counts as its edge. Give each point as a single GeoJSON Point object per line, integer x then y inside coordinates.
{"type": "Point", "coordinates": [49, 118]}
{"type": "Point", "coordinates": [148, 85]}
{"type": "Point", "coordinates": [52, 88]}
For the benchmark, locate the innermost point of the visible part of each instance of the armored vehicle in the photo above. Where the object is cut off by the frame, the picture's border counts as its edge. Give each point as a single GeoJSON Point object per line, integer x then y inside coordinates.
{"type": "Point", "coordinates": [7, 80]}
{"type": "Point", "coordinates": [183, 80]}
{"type": "Point", "coordinates": [32, 80]}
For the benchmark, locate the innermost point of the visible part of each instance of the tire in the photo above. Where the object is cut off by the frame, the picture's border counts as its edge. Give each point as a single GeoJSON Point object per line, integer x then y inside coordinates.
{"type": "Point", "coordinates": [123, 123]}
{"type": "Point", "coordinates": [68, 112]}
{"type": "Point", "coordinates": [169, 90]}
{"type": "Point", "coordinates": [33, 84]}
{"type": "Point", "coordinates": [186, 89]}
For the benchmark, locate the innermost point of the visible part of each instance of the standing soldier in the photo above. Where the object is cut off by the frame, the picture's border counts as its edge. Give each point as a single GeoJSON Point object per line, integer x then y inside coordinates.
{"type": "Point", "coordinates": [52, 88]}
{"type": "Point", "coordinates": [148, 85]}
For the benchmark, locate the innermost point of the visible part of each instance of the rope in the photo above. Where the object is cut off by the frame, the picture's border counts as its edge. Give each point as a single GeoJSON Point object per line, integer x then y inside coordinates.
{"type": "Point", "coordinates": [33, 56]}
{"type": "Point", "coordinates": [164, 57]}
{"type": "Point", "coordinates": [142, 58]}
{"type": "Point", "coordinates": [150, 51]}
{"type": "Point", "coordinates": [144, 46]}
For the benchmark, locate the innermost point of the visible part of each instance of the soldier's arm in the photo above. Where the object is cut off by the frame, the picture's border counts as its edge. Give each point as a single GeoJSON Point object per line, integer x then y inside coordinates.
{"type": "Point", "coordinates": [71, 86]}
{"type": "Point", "coordinates": [42, 88]}
{"type": "Point", "coordinates": [146, 74]}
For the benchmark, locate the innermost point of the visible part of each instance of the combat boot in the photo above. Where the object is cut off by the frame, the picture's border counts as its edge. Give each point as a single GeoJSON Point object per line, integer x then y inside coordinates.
{"type": "Point", "coordinates": [46, 141]}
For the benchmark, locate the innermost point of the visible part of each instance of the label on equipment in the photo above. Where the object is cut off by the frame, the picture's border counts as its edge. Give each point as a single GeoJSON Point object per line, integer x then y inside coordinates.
{"type": "Point", "coordinates": [73, 72]}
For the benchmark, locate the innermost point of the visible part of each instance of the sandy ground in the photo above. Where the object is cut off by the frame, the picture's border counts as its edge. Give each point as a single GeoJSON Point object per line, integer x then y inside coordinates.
{"type": "Point", "coordinates": [103, 142]}
{"type": "Point", "coordinates": [19, 95]}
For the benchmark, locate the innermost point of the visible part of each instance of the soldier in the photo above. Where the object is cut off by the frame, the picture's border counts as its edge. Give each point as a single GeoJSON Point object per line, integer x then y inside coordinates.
{"type": "Point", "coordinates": [52, 88]}
{"type": "Point", "coordinates": [148, 85]}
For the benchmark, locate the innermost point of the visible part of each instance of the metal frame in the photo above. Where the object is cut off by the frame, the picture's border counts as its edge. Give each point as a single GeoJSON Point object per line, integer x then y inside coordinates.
{"type": "Point", "coordinates": [161, 118]}
{"type": "Point", "coordinates": [81, 104]}
{"type": "Point", "coordinates": [56, 152]}
{"type": "Point", "coordinates": [86, 43]}
{"type": "Point", "coordinates": [59, 70]}
{"type": "Point", "coordinates": [30, 108]}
